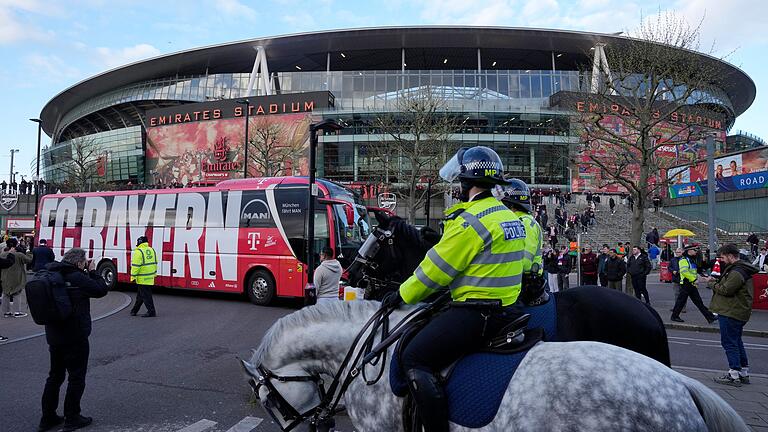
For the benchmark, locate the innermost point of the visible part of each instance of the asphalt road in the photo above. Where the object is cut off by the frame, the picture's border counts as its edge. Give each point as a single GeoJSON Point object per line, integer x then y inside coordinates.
{"type": "Point", "coordinates": [178, 372]}
{"type": "Point", "coordinates": [154, 374]}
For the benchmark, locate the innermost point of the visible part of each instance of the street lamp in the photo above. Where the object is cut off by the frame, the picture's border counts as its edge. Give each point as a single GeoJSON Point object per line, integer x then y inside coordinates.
{"type": "Point", "coordinates": [325, 125]}
{"type": "Point", "coordinates": [37, 165]}
{"type": "Point", "coordinates": [247, 104]}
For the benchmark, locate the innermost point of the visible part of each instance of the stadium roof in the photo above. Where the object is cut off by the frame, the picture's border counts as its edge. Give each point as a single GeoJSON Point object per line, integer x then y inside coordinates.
{"type": "Point", "coordinates": [378, 49]}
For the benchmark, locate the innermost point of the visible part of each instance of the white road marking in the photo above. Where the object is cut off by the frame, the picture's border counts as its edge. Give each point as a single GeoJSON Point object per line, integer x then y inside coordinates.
{"type": "Point", "coordinates": [199, 426]}
{"type": "Point", "coordinates": [679, 343]}
{"type": "Point", "coordinates": [247, 424]}
{"type": "Point", "coordinates": [715, 341]}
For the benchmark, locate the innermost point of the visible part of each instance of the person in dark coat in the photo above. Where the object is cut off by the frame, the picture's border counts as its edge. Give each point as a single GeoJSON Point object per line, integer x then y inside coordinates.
{"type": "Point", "coordinates": [588, 267]}
{"type": "Point", "coordinates": [5, 263]}
{"type": "Point", "coordinates": [68, 342]}
{"type": "Point", "coordinates": [601, 260]}
{"type": "Point", "coordinates": [42, 255]}
{"type": "Point", "coordinates": [638, 267]}
{"type": "Point", "coordinates": [615, 269]}
{"type": "Point", "coordinates": [563, 268]}
{"type": "Point", "coordinates": [612, 205]}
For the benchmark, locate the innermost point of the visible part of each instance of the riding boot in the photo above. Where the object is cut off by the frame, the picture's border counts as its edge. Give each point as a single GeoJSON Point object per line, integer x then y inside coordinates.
{"type": "Point", "coordinates": [430, 400]}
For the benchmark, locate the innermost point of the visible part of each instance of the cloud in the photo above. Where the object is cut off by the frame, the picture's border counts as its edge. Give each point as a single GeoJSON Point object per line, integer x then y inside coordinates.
{"type": "Point", "coordinates": [50, 67]}
{"type": "Point", "coordinates": [13, 28]}
{"type": "Point", "coordinates": [235, 8]}
{"type": "Point", "coordinates": [111, 57]}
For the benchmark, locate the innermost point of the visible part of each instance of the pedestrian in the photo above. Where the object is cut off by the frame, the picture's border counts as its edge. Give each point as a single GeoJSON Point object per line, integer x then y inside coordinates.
{"type": "Point", "coordinates": [631, 202]}
{"type": "Point", "coordinates": [544, 217]}
{"type": "Point", "coordinates": [584, 221]}
{"type": "Point", "coordinates": [14, 278]}
{"type": "Point", "coordinates": [42, 255]}
{"type": "Point", "coordinates": [674, 268]}
{"type": "Point", "coordinates": [588, 267]}
{"type": "Point", "coordinates": [732, 301]}
{"type": "Point", "coordinates": [68, 342]}
{"type": "Point", "coordinates": [3, 186]}
{"type": "Point", "coordinates": [601, 260]}
{"type": "Point", "coordinates": [23, 186]}
{"type": "Point", "coordinates": [327, 276]}
{"type": "Point", "coordinates": [653, 255]}
{"type": "Point", "coordinates": [620, 250]}
{"type": "Point", "coordinates": [563, 268]}
{"type": "Point", "coordinates": [143, 271]}
{"type": "Point", "coordinates": [612, 205]}
{"type": "Point", "coordinates": [550, 266]}
{"type": "Point", "coordinates": [761, 262]}
{"type": "Point", "coordinates": [753, 242]}
{"type": "Point", "coordinates": [570, 234]}
{"type": "Point", "coordinates": [615, 268]}
{"type": "Point", "coordinates": [638, 267]}
{"type": "Point", "coordinates": [652, 238]}
{"type": "Point", "coordinates": [5, 263]}
{"type": "Point", "coordinates": [656, 203]}
{"type": "Point", "coordinates": [688, 276]}
{"type": "Point", "coordinates": [552, 233]}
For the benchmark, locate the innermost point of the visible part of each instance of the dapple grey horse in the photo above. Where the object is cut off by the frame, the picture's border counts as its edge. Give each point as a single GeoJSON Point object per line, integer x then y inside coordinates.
{"type": "Point", "coordinates": [559, 386]}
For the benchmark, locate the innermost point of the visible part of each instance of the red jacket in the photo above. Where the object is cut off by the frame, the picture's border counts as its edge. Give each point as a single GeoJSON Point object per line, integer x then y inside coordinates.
{"type": "Point", "coordinates": [589, 263]}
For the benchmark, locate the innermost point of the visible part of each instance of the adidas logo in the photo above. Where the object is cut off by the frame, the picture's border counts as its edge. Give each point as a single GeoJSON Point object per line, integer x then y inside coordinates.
{"type": "Point", "coordinates": [212, 285]}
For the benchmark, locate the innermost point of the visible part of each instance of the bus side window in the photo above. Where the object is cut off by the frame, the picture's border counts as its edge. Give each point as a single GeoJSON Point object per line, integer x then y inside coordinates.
{"type": "Point", "coordinates": [52, 218]}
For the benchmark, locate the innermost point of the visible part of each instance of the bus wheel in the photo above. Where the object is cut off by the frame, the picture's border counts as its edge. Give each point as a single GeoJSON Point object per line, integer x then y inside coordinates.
{"type": "Point", "coordinates": [108, 271]}
{"type": "Point", "coordinates": [261, 288]}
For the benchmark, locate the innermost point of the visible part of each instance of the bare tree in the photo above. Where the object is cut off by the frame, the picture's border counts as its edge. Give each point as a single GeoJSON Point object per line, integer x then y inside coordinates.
{"type": "Point", "coordinates": [81, 171]}
{"type": "Point", "coordinates": [656, 100]}
{"type": "Point", "coordinates": [415, 144]}
{"type": "Point", "coordinates": [276, 147]}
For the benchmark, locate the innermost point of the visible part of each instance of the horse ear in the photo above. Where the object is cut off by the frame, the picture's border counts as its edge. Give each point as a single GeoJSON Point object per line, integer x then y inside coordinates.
{"type": "Point", "coordinates": [382, 218]}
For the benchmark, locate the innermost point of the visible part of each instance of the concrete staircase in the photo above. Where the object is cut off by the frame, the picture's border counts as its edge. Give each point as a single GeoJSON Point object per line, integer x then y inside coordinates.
{"type": "Point", "coordinates": [614, 228]}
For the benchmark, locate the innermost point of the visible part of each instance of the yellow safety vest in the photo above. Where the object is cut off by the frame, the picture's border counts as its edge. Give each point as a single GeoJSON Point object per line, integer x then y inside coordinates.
{"type": "Point", "coordinates": [144, 265]}
{"type": "Point", "coordinates": [687, 269]}
{"type": "Point", "coordinates": [533, 242]}
{"type": "Point", "coordinates": [480, 256]}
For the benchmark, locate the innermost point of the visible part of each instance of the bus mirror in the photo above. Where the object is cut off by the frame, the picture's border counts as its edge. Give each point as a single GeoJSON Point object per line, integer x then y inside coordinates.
{"type": "Point", "coordinates": [350, 214]}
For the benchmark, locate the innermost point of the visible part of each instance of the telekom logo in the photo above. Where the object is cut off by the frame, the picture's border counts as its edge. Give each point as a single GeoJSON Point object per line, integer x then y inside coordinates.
{"type": "Point", "coordinates": [254, 240]}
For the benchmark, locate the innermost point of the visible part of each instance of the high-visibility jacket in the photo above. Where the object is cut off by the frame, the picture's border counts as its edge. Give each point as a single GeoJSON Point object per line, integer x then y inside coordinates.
{"type": "Point", "coordinates": [480, 255]}
{"type": "Point", "coordinates": [533, 242]}
{"type": "Point", "coordinates": [687, 269]}
{"type": "Point", "coordinates": [143, 265]}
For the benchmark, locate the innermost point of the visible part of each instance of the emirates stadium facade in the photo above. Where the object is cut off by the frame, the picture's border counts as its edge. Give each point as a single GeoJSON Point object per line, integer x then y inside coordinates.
{"type": "Point", "coordinates": [498, 81]}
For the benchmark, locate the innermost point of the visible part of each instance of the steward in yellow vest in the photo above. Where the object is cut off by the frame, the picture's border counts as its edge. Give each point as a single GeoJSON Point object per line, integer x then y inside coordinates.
{"type": "Point", "coordinates": [143, 272]}
{"type": "Point", "coordinates": [480, 260]}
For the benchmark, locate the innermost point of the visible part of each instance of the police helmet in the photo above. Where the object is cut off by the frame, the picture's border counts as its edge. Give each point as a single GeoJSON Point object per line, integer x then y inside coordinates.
{"type": "Point", "coordinates": [142, 239]}
{"type": "Point", "coordinates": [517, 194]}
{"type": "Point", "coordinates": [477, 165]}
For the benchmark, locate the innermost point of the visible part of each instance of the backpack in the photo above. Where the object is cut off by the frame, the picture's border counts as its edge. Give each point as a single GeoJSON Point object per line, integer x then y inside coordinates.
{"type": "Point", "coordinates": [48, 298]}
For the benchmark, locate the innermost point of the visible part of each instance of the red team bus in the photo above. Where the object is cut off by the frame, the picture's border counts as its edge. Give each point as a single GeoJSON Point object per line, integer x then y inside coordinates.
{"type": "Point", "coordinates": [240, 236]}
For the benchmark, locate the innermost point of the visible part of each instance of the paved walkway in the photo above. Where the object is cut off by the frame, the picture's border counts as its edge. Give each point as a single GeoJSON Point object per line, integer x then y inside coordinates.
{"type": "Point", "coordinates": [24, 328]}
{"type": "Point", "coordinates": [751, 401]}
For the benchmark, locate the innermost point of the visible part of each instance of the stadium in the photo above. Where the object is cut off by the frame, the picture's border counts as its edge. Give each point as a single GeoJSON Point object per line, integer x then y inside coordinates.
{"type": "Point", "coordinates": [499, 81]}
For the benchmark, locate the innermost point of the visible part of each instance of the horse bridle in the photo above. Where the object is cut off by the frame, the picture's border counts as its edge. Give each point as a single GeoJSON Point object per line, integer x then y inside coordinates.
{"type": "Point", "coordinates": [370, 249]}
{"type": "Point", "coordinates": [288, 417]}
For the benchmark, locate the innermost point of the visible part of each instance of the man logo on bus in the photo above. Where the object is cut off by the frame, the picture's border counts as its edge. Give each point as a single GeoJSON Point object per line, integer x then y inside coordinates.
{"type": "Point", "coordinates": [256, 210]}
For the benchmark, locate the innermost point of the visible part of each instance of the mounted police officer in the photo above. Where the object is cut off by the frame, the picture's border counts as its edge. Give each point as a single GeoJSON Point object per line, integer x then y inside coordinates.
{"type": "Point", "coordinates": [517, 197]}
{"type": "Point", "coordinates": [480, 260]}
{"type": "Point", "coordinates": [143, 271]}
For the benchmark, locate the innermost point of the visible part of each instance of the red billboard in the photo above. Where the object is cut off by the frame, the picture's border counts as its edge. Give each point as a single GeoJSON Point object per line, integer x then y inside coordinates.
{"type": "Point", "coordinates": [587, 175]}
{"type": "Point", "coordinates": [204, 143]}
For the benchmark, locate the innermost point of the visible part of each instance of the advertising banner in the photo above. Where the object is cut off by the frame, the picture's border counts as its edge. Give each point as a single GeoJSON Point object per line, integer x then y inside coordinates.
{"type": "Point", "coordinates": [587, 176]}
{"type": "Point", "coordinates": [734, 172]}
{"type": "Point", "coordinates": [203, 143]}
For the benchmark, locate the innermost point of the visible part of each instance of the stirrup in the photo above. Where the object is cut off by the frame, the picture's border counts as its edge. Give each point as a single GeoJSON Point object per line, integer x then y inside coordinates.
{"type": "Point", "coordinates": [512, 334]}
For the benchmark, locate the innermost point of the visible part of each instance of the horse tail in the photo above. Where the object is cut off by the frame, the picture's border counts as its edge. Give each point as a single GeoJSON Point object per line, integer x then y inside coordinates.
{"type": "Point", "coordinates": [663, 353]}
{"type": "Point", "coordinates": [717, 414]}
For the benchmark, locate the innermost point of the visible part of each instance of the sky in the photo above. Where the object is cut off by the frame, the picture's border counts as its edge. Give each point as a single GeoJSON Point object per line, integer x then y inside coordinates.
{"type": "Point", "coordinates": [47, 46]}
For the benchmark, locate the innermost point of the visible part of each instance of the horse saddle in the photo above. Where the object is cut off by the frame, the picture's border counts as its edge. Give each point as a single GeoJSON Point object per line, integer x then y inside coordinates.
{"type": "Point", "coordinates": [476, 383]}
